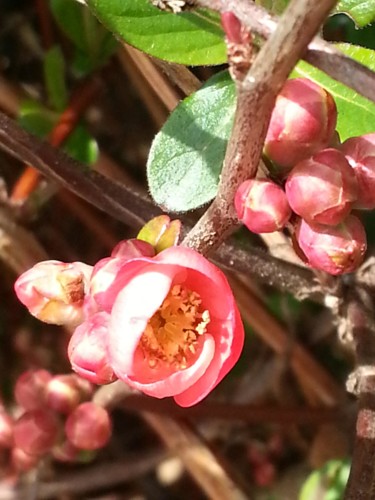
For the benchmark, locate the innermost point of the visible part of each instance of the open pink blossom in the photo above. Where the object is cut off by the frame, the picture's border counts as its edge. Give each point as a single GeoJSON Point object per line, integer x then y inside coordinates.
{"type": "Point", "coordinates": [175, 329]}
{"type": "Point", "coordinates": [54, 291]}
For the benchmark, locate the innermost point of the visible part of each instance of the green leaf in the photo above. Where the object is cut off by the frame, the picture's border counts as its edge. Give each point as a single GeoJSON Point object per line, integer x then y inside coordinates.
{"type": "Point", "coordinates": [361, 11]}
{"type": "Point", "coordinates": [327, 483]}
{"type": "Point", "coordinates": [186, 156]}
{"type": "Point", "coordinates": [185, 38]}
{"type": "Point", "coordinates": [356, 114]}
{"type": "Point", "coordinates": [161, 232]}
{"type": "Point", "coordinates": [54, 75]}
{"type": "Point", "coordinates": [39, 121]}
{"type": "Point", "coordinates": [274, 6]}
{"type": "Point", "coordinates": [90, 38]}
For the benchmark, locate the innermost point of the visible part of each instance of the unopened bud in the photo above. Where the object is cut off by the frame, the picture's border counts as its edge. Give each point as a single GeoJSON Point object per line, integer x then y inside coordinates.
{"type": "Point", "coordinates": [63, 393]}
{"type": "Point", "coordinates": [87, 350]}
{"type": "Point", "coordinates": [36, 432]}
{"type": "Point", "coordinates": [322, 188]}
{"type": "Point", "coordinates": [262, 206]}
{"type": "Point", "coordinates": [333, 249]}
{"type": "Point", "coordinates": [54, 292]}
{"type": "Point", "coordinates": [360, 153]}
{"type": "Point", "coordinates": [30, 389]}
{"type": "Point", "coordinates": [88, 427]}
{"type": "Point", "coordinates": [303, 122]}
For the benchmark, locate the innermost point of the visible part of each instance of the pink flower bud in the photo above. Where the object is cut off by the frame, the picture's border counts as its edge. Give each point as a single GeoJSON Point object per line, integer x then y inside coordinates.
{"type": "Point", "coordinates": [132, 249]}
{"type": "Point", "coordinates": [87, 350]}
{"type": "Point", "coordinates": [302, 123]}
{"type": "Point", "coordinates": [30, 389]}
{"type": "Point", "coordinates": [22, 461]}
{"type": "Point", "coordinates": [262, 206]}
{"type": "Point", "coordinates": [63, 393]}
{"type": "Point", "coordinates": [323, 188]}
{"type": "Point", "coordinates": [232, 27]}
{"type": "Point", "coordinates": [6, 430]}
{"type": "Point", "coordinates": [36, 432]}
{"type": "Point", "coordinates": [88, 427]}
{"type": "Point", "coordinates": [360, 153]}
{"type": "Point", "coordinates": [333, 249]}
{"type": "Point", "coordinates": [54, 291]}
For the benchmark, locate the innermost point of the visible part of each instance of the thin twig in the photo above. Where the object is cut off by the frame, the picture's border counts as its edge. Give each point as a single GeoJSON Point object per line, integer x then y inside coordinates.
{"type": "Point", "coordinates": [256, 95]}
{"type": "Point", "coordinates": [319, 53]}
{"type": "Point", "coordinates": [211, 473]}
{"type": "Point", "coordinates": [359, 308]}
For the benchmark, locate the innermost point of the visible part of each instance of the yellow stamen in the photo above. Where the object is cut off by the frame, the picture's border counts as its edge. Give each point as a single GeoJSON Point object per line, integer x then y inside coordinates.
{"type": "Point", "coordinates": [171, 335]}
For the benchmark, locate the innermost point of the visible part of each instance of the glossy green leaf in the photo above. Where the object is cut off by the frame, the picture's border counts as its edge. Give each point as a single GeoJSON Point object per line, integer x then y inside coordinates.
{"type": "Point", "coordinates": [274, 6]}
{"type": "Point", "coordinates": [92, 41]}
{"type": "Point", "coordinates": [54, 75]}
{"type": "Point", "coordinates": [361, 11]}
{"type": "Point", "coordinates": [356, 114]}
{"type": "Point", "coordinates": [40, 121]}
{"type": "Point", "coordinates": [186, 38]}
{"type": "Point", "coordinates": [186, 156]}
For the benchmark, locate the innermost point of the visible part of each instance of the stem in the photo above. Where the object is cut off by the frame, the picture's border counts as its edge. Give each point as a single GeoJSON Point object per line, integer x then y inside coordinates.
{"type": "Point", "coordinates": [134, 209]}
{"type": "Point", "coordinates": [256, 96]}
{"type": "Point", "coordinates": [319, 53]}
{"type": "Point", "coordinates": [66, 124]}
{"type": "Point", "coordinates": [360, 319]}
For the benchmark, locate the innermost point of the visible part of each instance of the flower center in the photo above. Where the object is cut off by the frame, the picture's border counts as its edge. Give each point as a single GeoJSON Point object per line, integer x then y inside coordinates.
{"type": "Point", "coordinates": [172, 333]}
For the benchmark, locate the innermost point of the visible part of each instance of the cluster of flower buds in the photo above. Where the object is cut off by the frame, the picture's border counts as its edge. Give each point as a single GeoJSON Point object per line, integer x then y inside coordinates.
{"type": "Point", "coordinates": [164, 323]}
{"type": "Point", "coordinates": [318, 181]}
{"type": "Point", "coordinates": [54, 418]}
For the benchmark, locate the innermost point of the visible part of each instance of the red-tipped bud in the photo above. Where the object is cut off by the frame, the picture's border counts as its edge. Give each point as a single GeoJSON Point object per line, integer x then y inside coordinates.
{"type": "Point", "coordinates": [88, 427]}
{"type": "Point", "coordinates": [63, 393]}
{"type": "Point", "coordinates": [87, 350]}
{"type": "Point", "coordinates": [6, 430]}
{"type": "Point", "coordinates": [360, 152]}
{"type": "Point", "coordinates": [302, 123]}
{"type": "Point", "coordinates": [232, 27]}
{"type": "Point", "coordinates": [30, 389]}
{"type": "Point", "coordinates": [333, 249]}
{"type": "Point", "coordinates": [323, 188]}
{"type": "Point", "coordinates": [22, 461]}
{"type": "Point", "coordinates": [36, 432]}
{"type": "Point", "coordinates": [262, 206]}
{"type": "Point", "coordinates": [54, 291]}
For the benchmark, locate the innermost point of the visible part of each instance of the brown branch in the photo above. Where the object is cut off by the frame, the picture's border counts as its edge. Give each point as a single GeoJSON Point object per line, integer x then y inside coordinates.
{"type": "Point", "coordinates": [256, 96]}
{"type": "Point", "coordinates": [68, 120]}
{"type": "Point", "coordinates": [319, 53]}
{"type": "Point", "coordinates": [134, 209]}
{"type": "Point", "coordinates": [360, 311]}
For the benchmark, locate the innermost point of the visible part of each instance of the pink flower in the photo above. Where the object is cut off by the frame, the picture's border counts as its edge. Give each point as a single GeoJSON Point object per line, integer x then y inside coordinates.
{"type": "Point", "coordinates": [175, 329]}
{"type": "Point", "coordinates": [54, 292]}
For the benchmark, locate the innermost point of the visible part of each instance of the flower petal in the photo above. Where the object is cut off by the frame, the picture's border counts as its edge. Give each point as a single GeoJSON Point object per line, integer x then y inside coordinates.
{"type": "Point", "coordinates": [180, 380]}
{"type": "Point", "coordinates": [133, 307]}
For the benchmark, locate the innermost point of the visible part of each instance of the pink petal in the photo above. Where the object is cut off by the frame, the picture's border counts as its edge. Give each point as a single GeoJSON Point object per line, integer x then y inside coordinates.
{"type": "Point", "coordinates": [226, 356]}
{"type": "Point", "coordinates": [134, 306]}
{"type": "Point", "coordinates": [180, 380]}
